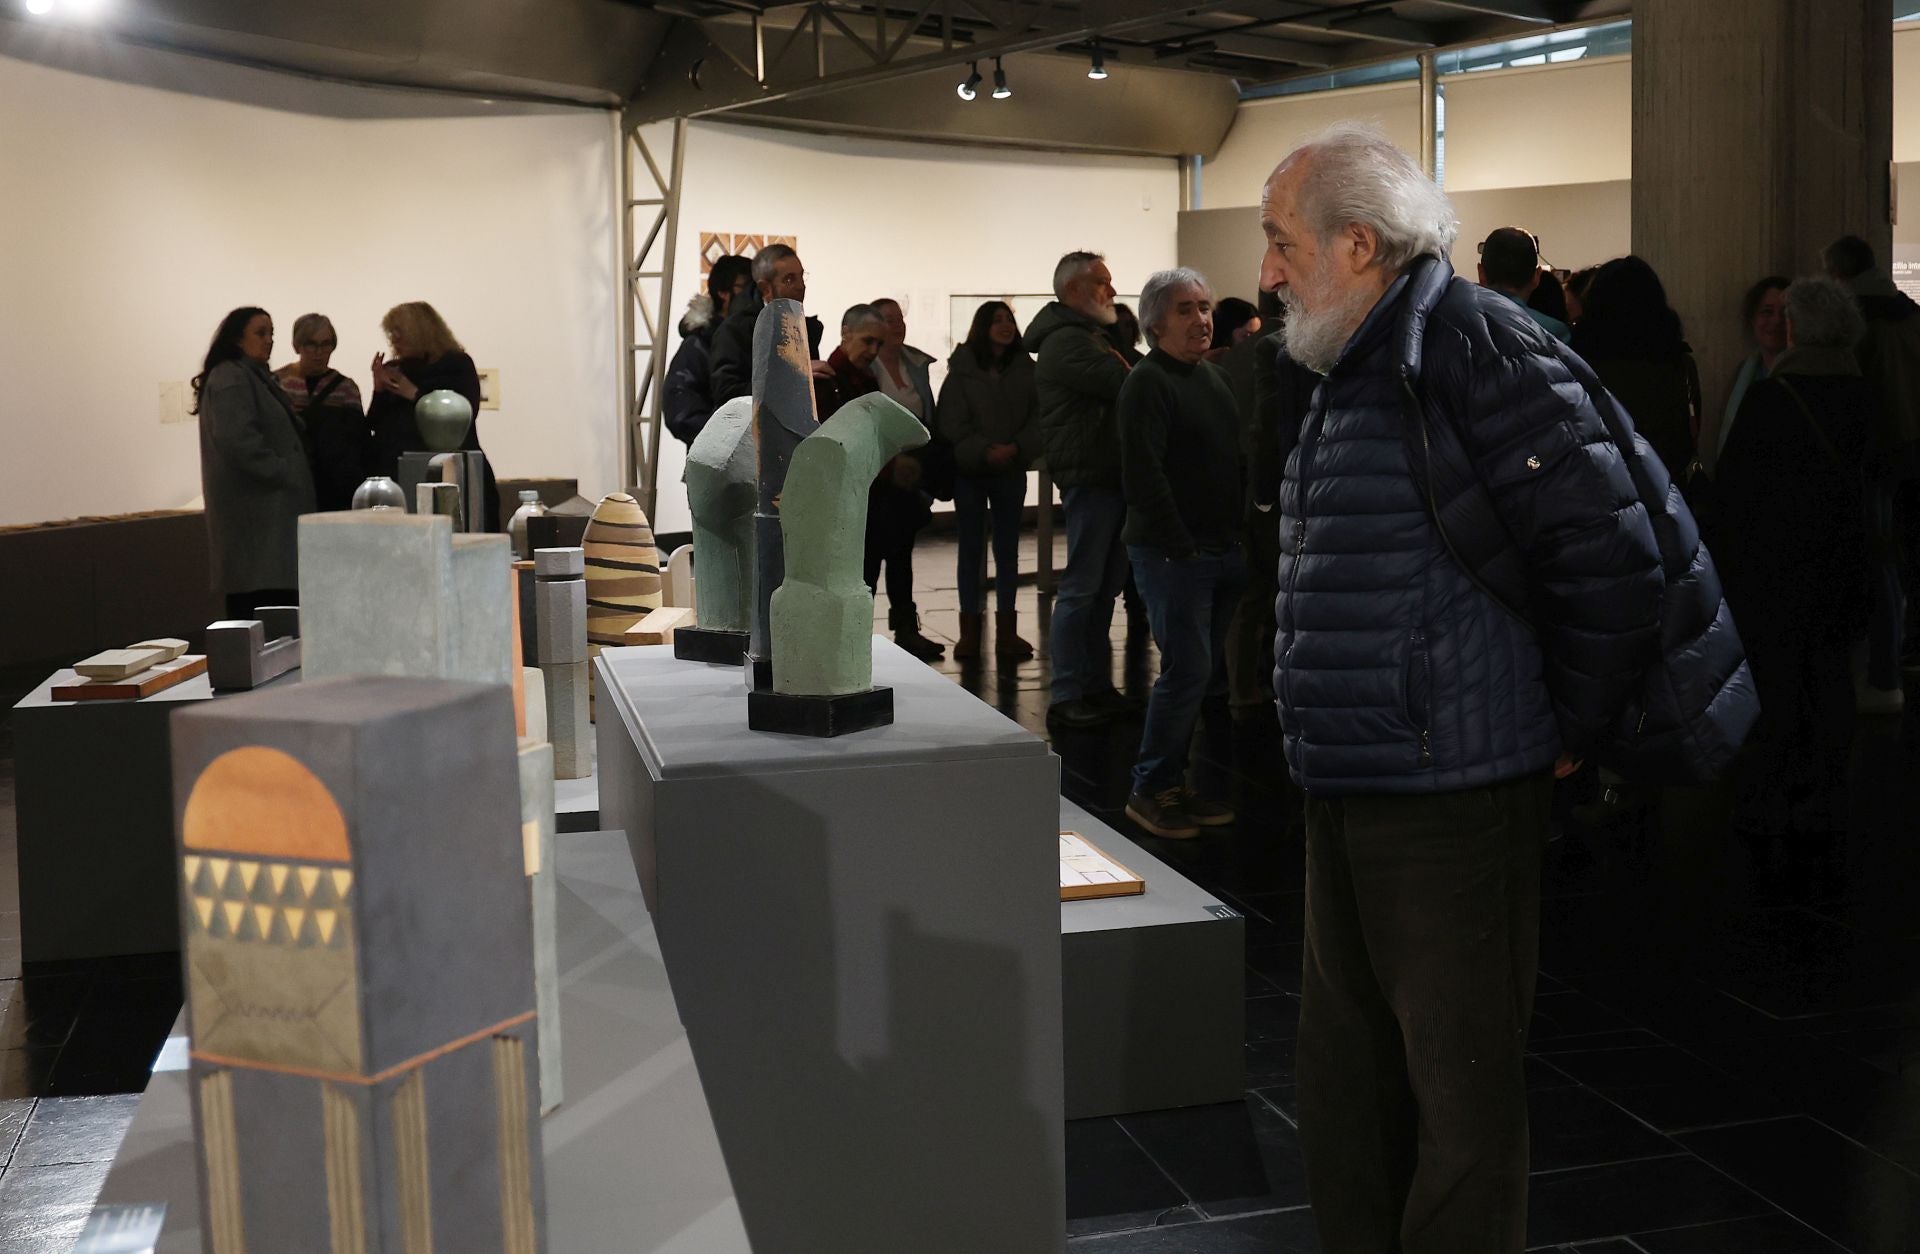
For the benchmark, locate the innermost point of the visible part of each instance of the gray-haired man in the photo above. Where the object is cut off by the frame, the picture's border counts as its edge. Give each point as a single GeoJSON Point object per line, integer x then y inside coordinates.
{"type": "Point", "coordinates": [1079, 374]}
{"type": "Point", "coordinates": [1424, 719]}
{"type": "Point", "coordinates": [777, 275]}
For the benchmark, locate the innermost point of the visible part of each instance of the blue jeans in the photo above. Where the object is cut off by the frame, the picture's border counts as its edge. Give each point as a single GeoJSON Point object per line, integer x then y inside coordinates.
{"type": "Point", "coordinates": [1190, 602]}
{"type": "Point", "coordinates": [1083, 606]}
{"type": "Point", "coordinates": [973, 497]}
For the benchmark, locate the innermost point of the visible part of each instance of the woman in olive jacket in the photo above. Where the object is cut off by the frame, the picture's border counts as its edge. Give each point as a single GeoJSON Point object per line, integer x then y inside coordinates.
{"type": "Point", "coordinates": [253, 467]}
{"type": "Point", "coordinates": [989, 412]}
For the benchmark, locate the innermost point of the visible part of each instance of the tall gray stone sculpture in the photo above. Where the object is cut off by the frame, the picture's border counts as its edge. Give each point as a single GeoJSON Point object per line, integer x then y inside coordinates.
{"type": "Point", "coordinates": [560, 608]}
{"type": "Point", "coordinates": [721, 480]}
{"type": "Point", "coordinates": [822, 615]}
{"type": "Point", "coordinates": [359, 985]}
{"type": "Point", "coordinates": [783, 416]}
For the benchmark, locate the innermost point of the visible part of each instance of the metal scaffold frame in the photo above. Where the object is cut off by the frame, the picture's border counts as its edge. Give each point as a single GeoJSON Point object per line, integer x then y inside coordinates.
{"type": "Point", "coordinates": [650, 232]}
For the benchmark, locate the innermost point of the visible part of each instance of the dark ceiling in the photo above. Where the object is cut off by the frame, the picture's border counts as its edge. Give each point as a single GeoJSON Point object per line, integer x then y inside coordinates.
{"type": "Point", "coordinates": [606, 52]}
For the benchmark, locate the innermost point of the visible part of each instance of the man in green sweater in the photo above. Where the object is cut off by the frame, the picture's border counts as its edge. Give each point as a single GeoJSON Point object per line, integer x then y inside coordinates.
{"type": "Point", "coordinates": [1079, 374]}
{"type": "Point", "coordinates": [1182, 474]}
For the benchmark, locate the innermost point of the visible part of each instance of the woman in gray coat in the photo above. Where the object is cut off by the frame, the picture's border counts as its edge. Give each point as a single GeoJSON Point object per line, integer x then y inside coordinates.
{"type": "Point", "coordinates": [253, 467]}
{"type": "Point", "coordinates": [988, 409]}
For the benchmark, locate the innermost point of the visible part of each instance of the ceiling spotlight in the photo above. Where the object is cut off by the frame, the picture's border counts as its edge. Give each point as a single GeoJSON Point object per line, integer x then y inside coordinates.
{"type": "Point", "coordinates": [39, 8]}
{"type": "Point", "coordinates": [1099, 70]}
{"type": "Point", "coordinates": [966, 89]}
{"type": "Point", "coordinates": [1000, 89]}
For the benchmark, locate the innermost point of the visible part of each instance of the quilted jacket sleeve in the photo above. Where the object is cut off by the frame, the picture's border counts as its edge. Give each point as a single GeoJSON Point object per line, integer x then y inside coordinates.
{"type": "Point", "coordinates": [1566, 497]}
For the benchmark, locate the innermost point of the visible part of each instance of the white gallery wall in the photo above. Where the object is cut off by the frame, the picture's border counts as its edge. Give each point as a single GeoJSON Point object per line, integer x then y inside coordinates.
{"type": "Point", "coordinates": [146, 193]}
{"type": "Point", "coordinates": [923, 223]}
{"type": "Point", "coordinates": [1264, 131]}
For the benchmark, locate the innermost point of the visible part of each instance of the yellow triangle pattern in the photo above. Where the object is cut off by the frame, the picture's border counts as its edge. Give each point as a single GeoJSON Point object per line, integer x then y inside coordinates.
{"type": "Point", "coordinates": [263, 919]}
{"type": "Point", "coordinates": [295, 917]}
{"type": "Point", "coordinates": [342, 881]}
{"type": "Point", "coordinates": [236, 912]}
{"type": "Point", "coordinates": [219, 868]}
{"type": "Point", "coordinates": [326, 921]}
{"type": "Point", "coordinates": [203, 906]}
{"type": "Point", "coordinates": [249, 873]}
{"type": "Point", "coordinates": [309, 877]}
{"type": "Point", "coordinates": [192, 861]}
{"type": "Point", "coordinates": [277, 876]}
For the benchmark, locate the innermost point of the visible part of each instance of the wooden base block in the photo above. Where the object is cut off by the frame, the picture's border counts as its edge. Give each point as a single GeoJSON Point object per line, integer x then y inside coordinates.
{"type": "Point", "coordinates": [145, 684]}
{"type": "Point", "coordinates": [659, 627]}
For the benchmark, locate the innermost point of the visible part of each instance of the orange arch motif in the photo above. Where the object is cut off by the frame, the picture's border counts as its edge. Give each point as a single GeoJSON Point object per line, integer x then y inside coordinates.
{"type": "Point", "coordinates": [263, 802]}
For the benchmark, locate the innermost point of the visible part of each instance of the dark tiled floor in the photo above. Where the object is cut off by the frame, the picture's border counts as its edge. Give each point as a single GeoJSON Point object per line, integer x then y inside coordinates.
{"type": "Point", "coordinates": [1726, 1054]}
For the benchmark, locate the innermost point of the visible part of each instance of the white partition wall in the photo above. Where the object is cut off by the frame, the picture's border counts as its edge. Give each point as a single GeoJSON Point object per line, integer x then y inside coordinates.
{"type": "Point", "coordinates": [147, 193]}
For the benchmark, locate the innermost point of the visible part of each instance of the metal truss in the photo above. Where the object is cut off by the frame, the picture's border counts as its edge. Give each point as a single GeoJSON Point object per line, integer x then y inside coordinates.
{"type": "Point", "coordinates": [713, 62]}
{"type": "Point", "coordinates": [650, 230]}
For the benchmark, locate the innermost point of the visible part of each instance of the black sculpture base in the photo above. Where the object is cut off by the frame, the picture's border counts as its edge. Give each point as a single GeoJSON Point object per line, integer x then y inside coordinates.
{"type": "Point", "coordinates": [819, 716]}
{"type": "Point", "coordinates": [759, 673]}
{"type": "Point", "coordinates": [705, 644]}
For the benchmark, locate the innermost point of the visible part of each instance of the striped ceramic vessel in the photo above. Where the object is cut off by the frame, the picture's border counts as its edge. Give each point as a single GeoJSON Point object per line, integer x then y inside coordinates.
{"type": "Point", "coordinates": [623, 569]}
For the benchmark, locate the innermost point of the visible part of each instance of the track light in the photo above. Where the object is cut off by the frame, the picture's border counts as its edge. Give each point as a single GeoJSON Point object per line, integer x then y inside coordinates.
{"type": "Point", "coordinates": [966, 89]}
{"type": "Point", "coordinates": [1099, 70]}
{"type": "Point", "coordinates": [1000, 89]}
{"type": "Point", "coordinates": [39, 8]}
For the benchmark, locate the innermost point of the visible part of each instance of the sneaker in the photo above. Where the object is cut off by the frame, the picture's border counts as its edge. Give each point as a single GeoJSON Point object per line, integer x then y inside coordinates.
{"type": "Point", "coordinates": [1164, 814]}
{"type": "Point", "coordinates": [1205, 813]}
{"type": "Point", "coordinates": [1080, 714]}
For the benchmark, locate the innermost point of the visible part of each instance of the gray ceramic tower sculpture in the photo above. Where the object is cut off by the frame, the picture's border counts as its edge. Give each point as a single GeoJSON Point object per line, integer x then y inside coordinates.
{"type": "Point", "coordinates": [359, 985]}
{"type": "Point", "coordinates": [721, 489]}
{"type": "Point", "coordinates": [782, 417]}
{"type": "Point", "coordinates": [822, 615]}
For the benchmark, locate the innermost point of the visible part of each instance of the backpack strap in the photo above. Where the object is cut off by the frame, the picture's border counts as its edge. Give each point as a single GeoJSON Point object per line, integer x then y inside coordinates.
{"type": "Point", "coordinates": [1470, 527]}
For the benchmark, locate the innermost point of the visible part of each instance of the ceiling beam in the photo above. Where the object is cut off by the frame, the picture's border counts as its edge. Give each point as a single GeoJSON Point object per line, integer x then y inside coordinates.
{"type": "Point", "coordinates": [1256, 47]}
{"type": "Point", "coordinates": [1373, 27]}
{"type": "Point", "coordinates": [1533, 11]}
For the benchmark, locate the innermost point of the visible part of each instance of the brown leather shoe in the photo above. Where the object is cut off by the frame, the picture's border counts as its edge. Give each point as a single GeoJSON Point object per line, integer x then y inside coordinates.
{"type": "Point", "coordinates": [1007, 644]}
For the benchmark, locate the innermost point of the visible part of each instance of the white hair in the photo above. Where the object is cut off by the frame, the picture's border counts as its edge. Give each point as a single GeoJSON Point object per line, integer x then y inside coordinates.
{"type": "Point", "coordinates": [1823, 314]}
{"type": "Point", "coordinates": [1162, 292]}
{"type": "Point", "coordinates": [1358, 177]}
{"type": "Point", "coordinates": [1073, 266]}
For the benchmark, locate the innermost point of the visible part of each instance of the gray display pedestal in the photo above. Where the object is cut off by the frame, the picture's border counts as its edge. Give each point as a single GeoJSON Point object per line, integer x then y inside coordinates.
{"type": "Point", "coordinates": [863, 939]}
{"type": "Point", "coordinates": [632, 1164]}
{"type": "Point", "coordinates": [94, 796]}
{"type": "Point", "coordinates": [1154, 986]}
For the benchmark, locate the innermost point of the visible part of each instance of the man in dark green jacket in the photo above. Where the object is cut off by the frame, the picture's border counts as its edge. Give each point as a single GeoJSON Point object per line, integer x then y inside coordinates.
{"type": "Point", "coordinates": [1079, 376]}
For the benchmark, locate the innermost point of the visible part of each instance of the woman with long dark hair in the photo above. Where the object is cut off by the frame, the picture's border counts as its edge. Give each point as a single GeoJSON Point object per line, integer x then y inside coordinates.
{"type": "Point", "coordinates": [426, 358]}
{"type": "Point", "coordinates": [988, 409]}
{"type": "Point", "coordinates": [1633, 340]}
{"type": "Point", "coordinates": [253, 467]}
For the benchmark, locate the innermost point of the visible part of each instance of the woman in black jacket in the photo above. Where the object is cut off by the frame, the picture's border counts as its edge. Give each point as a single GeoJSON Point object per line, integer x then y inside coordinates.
{"type": "Point", "coordinates": [1790, 485]}
{"type": "Point", "coordinates": [426, 358]}
{"type": "Point", "coordinates": [253, 467]}
{"type": "Point", "coordinates": [1632, 338]}
{"type": "Point", "coordinates": [988, 411]}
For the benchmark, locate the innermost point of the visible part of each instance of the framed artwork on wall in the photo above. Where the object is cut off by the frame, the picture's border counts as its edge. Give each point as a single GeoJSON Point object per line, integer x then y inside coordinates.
{"type": "Point", "coordinates": [717, 244]}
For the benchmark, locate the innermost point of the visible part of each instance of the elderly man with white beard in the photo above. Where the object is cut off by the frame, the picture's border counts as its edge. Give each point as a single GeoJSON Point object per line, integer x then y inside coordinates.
{"type": "Point", "coordinates": [1424, 718]}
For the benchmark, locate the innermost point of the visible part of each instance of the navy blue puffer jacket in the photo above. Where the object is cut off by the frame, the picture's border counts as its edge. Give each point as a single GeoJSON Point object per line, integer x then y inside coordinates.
{"type": "Point", "coordinates": [1396, 671]}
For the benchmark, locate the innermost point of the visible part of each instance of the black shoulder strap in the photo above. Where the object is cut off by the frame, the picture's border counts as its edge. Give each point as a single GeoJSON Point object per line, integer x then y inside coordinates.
{"type": "Point", "coordinates": [1470, 527]}
{"type": "Point", "coordinates": [320, 397]}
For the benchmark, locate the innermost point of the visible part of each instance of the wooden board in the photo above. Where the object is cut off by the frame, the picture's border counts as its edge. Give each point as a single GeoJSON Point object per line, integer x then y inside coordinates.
{"type": "Point", "coordinates": [145, 684]}
{"type": "Point", "coordinates": [1087, 873]}
{"type": "Point", "coordinates": [659, 626]}
{"type": "Point", "coordinates": [119, 663]}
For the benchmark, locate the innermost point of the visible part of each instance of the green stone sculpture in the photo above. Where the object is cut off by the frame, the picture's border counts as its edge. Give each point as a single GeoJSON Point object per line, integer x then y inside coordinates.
{"type": "Point", "coordinates": [823, 611]}
{"type": "Point", "coordinates": [721, 491]}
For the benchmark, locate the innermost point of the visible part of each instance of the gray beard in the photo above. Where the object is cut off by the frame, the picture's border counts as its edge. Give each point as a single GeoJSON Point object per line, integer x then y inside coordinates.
{"type": "Point", "coordinates": [1315, 337]}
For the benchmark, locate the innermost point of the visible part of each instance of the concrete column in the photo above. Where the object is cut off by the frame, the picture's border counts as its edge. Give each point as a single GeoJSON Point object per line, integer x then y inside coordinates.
{"type": "Point", "coordinates": [1762, 130]}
